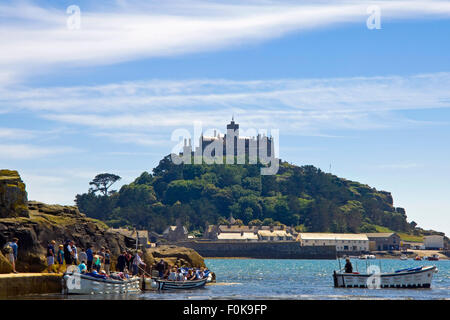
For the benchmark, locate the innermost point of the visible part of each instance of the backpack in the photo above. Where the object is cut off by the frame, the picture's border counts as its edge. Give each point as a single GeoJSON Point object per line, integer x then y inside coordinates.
{"type": "Point", "coordinates": [7, 249]}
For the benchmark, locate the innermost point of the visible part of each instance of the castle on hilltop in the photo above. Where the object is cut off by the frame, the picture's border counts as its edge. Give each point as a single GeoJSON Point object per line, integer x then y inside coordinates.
{"type": "Point", "coordinates": [232, 142]}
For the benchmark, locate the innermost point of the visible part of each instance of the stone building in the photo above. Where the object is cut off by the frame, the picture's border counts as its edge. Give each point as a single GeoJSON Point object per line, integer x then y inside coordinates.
{"type": "Point", "coordinates": [141, 235]}
{"type": "Point", "coordinates": [248, 233]}
{"type": "Point", "coordinates": [176, 233]}
{"type": "Point", "coordinates": [343, 241]}
{"type": "Point", "coordinates": [385, 241]}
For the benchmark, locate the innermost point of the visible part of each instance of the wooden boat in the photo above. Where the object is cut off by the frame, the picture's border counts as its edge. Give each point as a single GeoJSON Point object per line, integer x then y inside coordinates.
{"type": "Point", "coordinates": [419, 277]}
{"type": "Point", "coordinates": [161, 284]}
{"type": "Point", "coordinates": [434, 257]}
{"type": "Point", "coordinates": [76, 283]}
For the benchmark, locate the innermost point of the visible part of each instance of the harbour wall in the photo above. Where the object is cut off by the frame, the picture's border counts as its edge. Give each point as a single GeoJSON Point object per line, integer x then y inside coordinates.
{"type": "Point", "coordinates": [20, 284]}
{"type": "Point", "coordinates": [260, 249]}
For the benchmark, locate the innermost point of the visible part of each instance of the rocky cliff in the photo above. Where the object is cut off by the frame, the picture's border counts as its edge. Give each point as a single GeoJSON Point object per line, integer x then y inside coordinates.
{"type": "Point", "coordinates": [35, 224]}
{"type": "Point", "coordinates": [13, 197]}
{"type": "Point", "coordinates": [59, 223]}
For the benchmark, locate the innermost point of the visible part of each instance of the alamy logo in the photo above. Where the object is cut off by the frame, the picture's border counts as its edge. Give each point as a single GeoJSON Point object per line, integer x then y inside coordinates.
{"type": "Point", "coordinates": [74, 18]}
{"type": "Point", "coordinates": [74, 281]}
{"type": "Point", "coordinates": [235, 147]}
{"type": "Point", "coordinates": [374, 20]}
{"type": "Point", "coordinates": [374, 280]}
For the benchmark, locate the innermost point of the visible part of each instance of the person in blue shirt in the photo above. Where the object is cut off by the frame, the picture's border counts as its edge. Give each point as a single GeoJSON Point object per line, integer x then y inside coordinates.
{"type": "Point", "coordinates": [82, 267]}
{"type": "Point", "coordinates": [90, 258]}
{"type": "Point", "coordinates": [51, 255]}
{"type": "Point", "coordinates": [13, 255]}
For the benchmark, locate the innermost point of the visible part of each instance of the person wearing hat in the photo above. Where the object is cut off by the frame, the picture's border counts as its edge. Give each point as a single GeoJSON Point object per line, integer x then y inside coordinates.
{"type": "Point", "coordinates": [348, 266]}
{"type": "Point", "coordinates": [51, 255]}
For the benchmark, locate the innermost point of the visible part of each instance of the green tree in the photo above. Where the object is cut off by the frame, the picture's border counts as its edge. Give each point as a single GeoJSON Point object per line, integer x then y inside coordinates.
{"type": "Point", "coordinates": [102, 182]}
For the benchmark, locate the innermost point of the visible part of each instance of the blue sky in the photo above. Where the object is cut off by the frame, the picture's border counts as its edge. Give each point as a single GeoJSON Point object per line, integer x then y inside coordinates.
{"type": "Point", "coordinates": [373, 104]}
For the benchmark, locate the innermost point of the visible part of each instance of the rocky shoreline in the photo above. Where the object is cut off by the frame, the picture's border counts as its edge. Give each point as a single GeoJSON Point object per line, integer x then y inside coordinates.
{"type": "Point", "coordinates": [35, 224]}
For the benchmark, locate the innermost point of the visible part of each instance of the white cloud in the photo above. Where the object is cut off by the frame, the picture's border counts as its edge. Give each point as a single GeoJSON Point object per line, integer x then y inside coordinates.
{"type": "Point", "coordinates": [24, 151]}
{"type": "Point", "coordinates": [36, 38]}
{"type": "Point", "coordinates": [15, 134]}
{"type": "Point", "coordinates": [129, 112]}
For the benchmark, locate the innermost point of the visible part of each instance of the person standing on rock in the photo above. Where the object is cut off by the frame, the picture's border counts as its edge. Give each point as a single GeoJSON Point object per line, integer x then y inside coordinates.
{"type": "Point", "coordinates": [137, 261]}
{"type": "Point", "coordinates": [51, 256]}
{"type": "Point", "coordinates": [121, 261]}
{"type": "Point", "coordinates": [161, 266]}
{"type": "Point", "coordinates": [129, 259]}
{"type": "Point", "coordinates": [12, 256]}
{"type": "Point", "coordinates": [90, 258]}
{"type": "Point", "coordinates": [101, 254]}
{"type": "Point", "coordinates": [107, 260]}
{"type": "Point", "coordinates": [74, 253]}
{"type": "Point", "coordinates": [82, 256]}
{"type": "Point", "coordinates": [60, 257]}
{"type": "Point", "coordinates": [68, 253]}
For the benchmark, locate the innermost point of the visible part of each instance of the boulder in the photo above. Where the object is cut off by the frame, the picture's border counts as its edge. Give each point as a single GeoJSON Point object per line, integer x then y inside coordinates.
{"type": "Point", "coordinates": [13, 197]}
{"type": "Point", "coordinates": [174, 255]}
{"type": "Point", "coordinates": [5, 266]}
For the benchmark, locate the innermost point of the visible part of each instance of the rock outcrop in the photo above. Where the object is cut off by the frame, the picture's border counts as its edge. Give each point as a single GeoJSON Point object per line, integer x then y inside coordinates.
{"type": "Point", "coordinates": [5, 266]}
{"type": "Point", "coordinates": [34, 234]}
{"type": "Point", "coordinates": [35, 224]}
{"type": "Point", "coordinates": [174, 255]}
{"type": "Point", "coordinates": [13, 197]}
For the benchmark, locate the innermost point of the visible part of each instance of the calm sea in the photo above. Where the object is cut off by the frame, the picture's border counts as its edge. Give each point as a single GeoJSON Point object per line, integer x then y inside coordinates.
{"type": "Point", "coordinates": [297, 279]}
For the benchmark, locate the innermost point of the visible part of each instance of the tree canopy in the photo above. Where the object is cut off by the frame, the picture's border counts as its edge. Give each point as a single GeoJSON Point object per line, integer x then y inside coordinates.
{"type": "Point", "coordinates": [301, 196]}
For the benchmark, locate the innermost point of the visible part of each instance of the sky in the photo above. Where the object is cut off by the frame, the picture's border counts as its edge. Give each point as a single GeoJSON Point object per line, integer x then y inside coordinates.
{"type": "Point", "coordinates": [359, 89]}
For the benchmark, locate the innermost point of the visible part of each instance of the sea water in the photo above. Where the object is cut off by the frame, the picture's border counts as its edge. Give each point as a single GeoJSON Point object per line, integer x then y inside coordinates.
{"type": "Point", "coordinates": [295, 279]}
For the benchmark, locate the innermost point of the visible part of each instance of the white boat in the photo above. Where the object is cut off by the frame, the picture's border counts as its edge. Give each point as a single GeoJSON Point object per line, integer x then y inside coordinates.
{"type": "Point", "coordinates": [160, 284]}
{"type": "Point", "coordinates": [76, 283]}
{"type": "Point", "coordinates": [418, 277]}
{"type": "Point", "coordinates": [403, 257]}
{"type": "Point", "coordinates": [367, 256]}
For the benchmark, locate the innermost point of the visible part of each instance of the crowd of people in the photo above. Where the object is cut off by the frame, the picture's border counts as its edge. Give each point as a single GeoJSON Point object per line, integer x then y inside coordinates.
{"type": "Point", "coordinates": [68, 254]}
{"type": "Point", "coordinates": [175, 273]}
{"type": "Point", "coordinates": [98, 262]}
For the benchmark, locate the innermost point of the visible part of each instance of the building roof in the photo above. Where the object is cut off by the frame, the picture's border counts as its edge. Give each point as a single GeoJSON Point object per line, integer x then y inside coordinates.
{"type": "Point", "coordinates": [433, 236]}
{"type": "Point", "coordinates": [236, 228]}
{"type": "Point", "coordinates": [173, 228]}
{"type": "Point", "coordinates": [380, 234]}
{"type": "Point", "coordinates": [237, 236]}
{"type": "Point", "coordinates": [130, 233]}
{"type": "Point", "coordinates": [274, 233]}
{"type": "Point", "coordinates": [333, 236]}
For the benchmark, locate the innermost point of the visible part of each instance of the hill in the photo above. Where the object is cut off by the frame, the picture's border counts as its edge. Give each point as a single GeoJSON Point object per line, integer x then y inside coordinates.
{"type": "Point", "coordinates": [300, 196]}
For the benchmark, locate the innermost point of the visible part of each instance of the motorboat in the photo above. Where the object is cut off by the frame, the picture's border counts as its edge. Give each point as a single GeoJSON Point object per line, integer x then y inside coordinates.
{"type": "Point", "coordinates": [94, 283]}
{"type": "Point", "coordinates": [417, 277]}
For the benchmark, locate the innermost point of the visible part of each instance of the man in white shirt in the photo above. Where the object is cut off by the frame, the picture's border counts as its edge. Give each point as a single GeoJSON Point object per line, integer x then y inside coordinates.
{"type": "Point", "coordinates": [137, 261]}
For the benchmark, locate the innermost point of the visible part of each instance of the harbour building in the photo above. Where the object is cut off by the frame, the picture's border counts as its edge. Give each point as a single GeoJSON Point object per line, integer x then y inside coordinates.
{"type": "Point", "coordinates": [344, 242]}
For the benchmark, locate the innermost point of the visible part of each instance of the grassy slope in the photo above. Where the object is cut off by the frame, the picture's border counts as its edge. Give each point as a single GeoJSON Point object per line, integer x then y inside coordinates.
{"type": "Point", "coordinates": [403, 236]}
